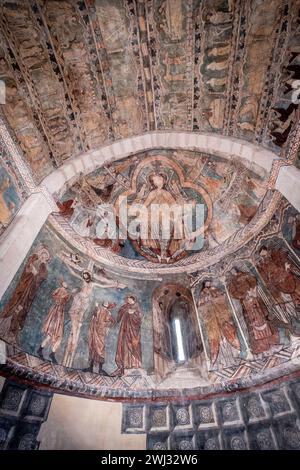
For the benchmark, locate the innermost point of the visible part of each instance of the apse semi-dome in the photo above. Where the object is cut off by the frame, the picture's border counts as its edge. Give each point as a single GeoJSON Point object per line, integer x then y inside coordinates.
{"type": "Point", "coordinates": [225, 192]}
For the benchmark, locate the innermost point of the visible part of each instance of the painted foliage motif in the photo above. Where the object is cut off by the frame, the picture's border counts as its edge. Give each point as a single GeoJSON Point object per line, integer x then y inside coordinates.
{"type": "Point", "coordinates": [228, 194]}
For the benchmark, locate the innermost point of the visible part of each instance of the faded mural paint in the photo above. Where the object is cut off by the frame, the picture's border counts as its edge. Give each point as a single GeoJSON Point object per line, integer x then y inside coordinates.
{"type": "Point", "coordinates": [228, 193]}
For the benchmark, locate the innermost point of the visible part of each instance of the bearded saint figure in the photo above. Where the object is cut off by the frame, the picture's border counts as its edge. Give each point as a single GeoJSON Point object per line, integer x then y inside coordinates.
{"type": "Point", "coordinates": [129, 352]}
{"type": "Point", "coordinates": [33, 275]}
{"type": "Point", "coordinates": [101, 321]}
{"type": "Point", "coordinates": [224, 344]}
{"type": "Point", "coordinates": [262, 334]}
{"type": "Point", "coordinates": [278, 274]}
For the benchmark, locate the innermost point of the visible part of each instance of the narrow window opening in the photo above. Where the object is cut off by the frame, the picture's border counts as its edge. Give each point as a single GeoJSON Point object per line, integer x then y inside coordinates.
{"type": "Point", "coordinates": [181, 357]}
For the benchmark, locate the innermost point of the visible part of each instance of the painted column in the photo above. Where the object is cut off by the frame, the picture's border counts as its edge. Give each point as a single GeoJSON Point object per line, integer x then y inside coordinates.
{"type": "Point", "coordinates": [200, 327]}
{"type": "Point", "coordinates": [288, 183]}
{"type": "Point", "coordinates": [249, 356]}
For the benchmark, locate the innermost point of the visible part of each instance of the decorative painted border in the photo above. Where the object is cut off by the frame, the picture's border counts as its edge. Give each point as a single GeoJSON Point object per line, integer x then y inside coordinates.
{"type": "Point", "coordinates": [63, 380]}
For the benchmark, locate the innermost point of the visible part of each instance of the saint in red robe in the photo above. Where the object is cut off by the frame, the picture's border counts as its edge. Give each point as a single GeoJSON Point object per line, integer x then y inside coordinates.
{"type": "Point", "coordinates": [34, 273]}
{"type": "Point", "coordinates": [276, 269]}
{"type": "Point", "coordinates": [262, 334]}
{"type": "Point", "coordinates": [100, 323]}
{"type": "Point", "coordinates": [129, 353]}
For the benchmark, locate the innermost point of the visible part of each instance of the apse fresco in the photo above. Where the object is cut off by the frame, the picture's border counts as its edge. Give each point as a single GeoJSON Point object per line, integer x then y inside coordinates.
{"type": "Point", "coordinates": [194, 329]}
{"type": "Point", "coordinates": [235, 320]}
{"type": "Point", "coordinates": [191, 65]}
{"type": "Point", "coordinates": [63, 308]}
{"type": "Point", "coordinates": [226, 191]}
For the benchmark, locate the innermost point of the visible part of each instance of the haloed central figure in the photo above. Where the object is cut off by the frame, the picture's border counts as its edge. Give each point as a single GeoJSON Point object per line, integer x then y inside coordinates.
{"type": "Point", "coordinates": [161, 200]}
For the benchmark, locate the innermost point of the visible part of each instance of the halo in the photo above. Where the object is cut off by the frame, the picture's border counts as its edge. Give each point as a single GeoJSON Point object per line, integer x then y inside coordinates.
{"type": "Point", "coordinates": [43, 249]}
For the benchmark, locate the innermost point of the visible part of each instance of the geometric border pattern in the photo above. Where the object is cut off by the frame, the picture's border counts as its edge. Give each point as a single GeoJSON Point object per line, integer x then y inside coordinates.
{"type": "Point", "coordinates": [142, 385]}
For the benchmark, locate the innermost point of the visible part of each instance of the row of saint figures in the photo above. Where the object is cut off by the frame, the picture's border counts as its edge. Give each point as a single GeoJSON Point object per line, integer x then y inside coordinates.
{"type": "Point", "coordinates": [253, 310]}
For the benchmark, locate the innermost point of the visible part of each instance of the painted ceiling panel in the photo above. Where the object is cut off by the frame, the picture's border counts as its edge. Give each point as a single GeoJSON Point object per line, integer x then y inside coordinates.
{"type": "Point", "coordinates": [262, 35]}
{"type": "Point", "coordinates": [44, 90]}
{"type": "Point", "coordinates": [81, 74]}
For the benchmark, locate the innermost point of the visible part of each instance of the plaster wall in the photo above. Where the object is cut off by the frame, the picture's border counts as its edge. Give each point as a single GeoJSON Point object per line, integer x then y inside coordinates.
{"type": "Point", "coordinates": [77, 423]}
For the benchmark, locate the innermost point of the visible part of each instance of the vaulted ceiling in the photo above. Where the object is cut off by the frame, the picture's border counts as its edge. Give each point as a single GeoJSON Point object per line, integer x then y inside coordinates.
{"type": "Point", "coordinates": [81, 74]}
